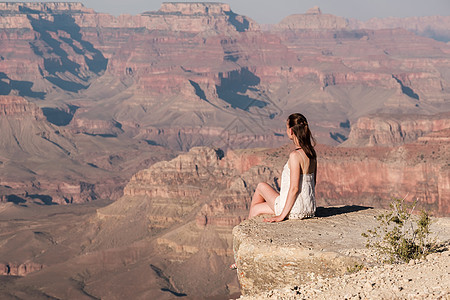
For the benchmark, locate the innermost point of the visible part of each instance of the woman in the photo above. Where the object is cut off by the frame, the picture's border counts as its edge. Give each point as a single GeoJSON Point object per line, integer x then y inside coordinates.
{"type": "Point", "coordinates": [296, 199]}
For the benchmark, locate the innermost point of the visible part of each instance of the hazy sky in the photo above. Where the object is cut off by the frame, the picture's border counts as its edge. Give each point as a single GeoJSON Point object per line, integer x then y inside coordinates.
{"type": "Point", "coordinates": [272, 11]}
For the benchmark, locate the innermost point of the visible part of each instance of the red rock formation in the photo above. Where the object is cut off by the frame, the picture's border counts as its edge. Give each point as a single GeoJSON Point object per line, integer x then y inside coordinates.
{"type": "Point", "coordinates": [173, 16]}
{"type": "Point", "coordinates": [206, 194]}
{"type": "Point", "coordinates": [197, 74]}
{"type": "Point", "coordinates": [55, 7]}
{"type": "Point", "coordinates": [18, 107]}
{"type": "Point", "coordinates": [204, 58]}
{"type": "Point", "coordinates": [391, 130]}
{"type": "Point", "coordinates": [16, 269]}
{"type": "Point", "coordinates": [375, 176]}
{"type": "Point", "coordinates": [43, 163]}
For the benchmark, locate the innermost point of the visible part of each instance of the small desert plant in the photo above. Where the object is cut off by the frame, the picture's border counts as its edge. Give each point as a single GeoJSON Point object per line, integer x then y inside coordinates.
{"type": "Point", "coordinates": [355, 268]}
{"type": "Point", "coordinates": [401, 236]}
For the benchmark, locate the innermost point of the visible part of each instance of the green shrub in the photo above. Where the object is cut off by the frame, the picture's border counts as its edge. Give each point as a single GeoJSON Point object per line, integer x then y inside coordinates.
{"type": "Point", "coordinates": [355, 268]}
{"type": "Point", "coordinates": [401, 236]}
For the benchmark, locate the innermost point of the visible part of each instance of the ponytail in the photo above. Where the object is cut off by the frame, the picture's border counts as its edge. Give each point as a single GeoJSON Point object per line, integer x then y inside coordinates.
{"type": "Point", "coordinates": [299, 125]}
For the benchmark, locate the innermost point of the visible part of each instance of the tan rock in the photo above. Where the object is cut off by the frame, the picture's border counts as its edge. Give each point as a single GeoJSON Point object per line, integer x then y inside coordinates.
{"type": "Point", "coordinates": [271, 256]}
{"type": "Point", "coordinates": [308, 259]}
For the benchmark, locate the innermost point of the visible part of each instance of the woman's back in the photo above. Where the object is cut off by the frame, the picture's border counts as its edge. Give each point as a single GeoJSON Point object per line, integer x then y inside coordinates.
{"type": "Point", "coordinates": [305, 203]}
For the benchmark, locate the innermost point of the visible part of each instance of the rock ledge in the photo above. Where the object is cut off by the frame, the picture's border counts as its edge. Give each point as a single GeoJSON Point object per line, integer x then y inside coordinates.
{"type": "Point", "coordinates": [275, 256]}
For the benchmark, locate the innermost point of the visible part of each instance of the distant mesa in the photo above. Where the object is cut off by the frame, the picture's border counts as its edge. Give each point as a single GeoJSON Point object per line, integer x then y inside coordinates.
{"type": "Point", "coordinates": [314, 11]}
{"type": "Point", "coordinates": [313, 19]}
{"type": "Point", "coordinates": [195, 8]}
{"type": "Point", "coordinates": [39, 7]}
{"type": "Point", "coordinates": [191, 15]}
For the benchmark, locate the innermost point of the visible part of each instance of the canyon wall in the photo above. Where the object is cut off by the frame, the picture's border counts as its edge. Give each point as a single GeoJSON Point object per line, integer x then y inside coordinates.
{"type": "Point", "coordinates": [89, 100]}
{"type": "Point", "coordinates": [391, 130]}
{"type": "Point", "coordinates": [44, 163]}
{"type": "Point", "coordinates": [205, 58]}
{"type": "Point", "coordinates": [198, 74]}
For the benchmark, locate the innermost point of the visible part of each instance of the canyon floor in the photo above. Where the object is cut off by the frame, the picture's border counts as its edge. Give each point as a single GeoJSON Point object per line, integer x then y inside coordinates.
{"type": "Point", "coordinates": [76, 262]}
{"type": "Point", "coordinates": [63, 252]}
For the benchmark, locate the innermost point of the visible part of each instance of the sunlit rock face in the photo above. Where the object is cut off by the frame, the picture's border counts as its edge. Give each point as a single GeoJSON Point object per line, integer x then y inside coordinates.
{"type": "Point", "coordinates": [311, 258]}
{"type": "Point", "coordinates": [272, 256]}
{"type": "Point", "coordinates": [391, 130]}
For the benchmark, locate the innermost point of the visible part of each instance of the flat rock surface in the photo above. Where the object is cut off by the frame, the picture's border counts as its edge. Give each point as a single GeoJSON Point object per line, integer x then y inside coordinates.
{"type": "Point", "coordinates": [331, 230]}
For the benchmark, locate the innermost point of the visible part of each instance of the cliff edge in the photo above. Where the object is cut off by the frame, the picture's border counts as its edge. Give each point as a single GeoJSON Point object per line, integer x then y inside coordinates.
{"type": "Point", "coordinates": [287, 255]}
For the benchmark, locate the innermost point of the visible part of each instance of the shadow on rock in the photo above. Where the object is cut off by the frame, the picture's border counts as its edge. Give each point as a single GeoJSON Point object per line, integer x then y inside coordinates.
{"type": "Point", "coordinates": [323, 212]}
{"type": "Point", "coordinates": [57, 61]}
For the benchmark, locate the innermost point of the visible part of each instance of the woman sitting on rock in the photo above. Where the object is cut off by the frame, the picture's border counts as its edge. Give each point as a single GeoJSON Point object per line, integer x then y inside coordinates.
{"type": "Point", "coordinates": [296, 199]}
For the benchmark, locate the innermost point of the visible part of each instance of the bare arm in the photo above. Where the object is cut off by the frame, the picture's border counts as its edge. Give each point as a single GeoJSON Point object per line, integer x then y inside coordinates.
{"type": "Point", "coordinates": [294, 187]}
{"type": "Point", "coordinates": [315, 172]}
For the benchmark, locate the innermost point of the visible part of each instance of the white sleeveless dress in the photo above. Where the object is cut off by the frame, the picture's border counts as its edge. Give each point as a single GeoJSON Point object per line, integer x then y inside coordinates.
{"type": "Point", "coordinates": [305, 204]}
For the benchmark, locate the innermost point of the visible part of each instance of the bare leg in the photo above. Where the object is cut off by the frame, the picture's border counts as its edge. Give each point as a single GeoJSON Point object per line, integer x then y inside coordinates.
{"type": "Point", "coordinates": [263, 200]}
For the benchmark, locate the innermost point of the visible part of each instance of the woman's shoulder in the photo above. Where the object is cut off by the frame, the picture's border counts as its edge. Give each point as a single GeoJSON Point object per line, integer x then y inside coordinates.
{"type": "Point", "coordinates": [297, 156]}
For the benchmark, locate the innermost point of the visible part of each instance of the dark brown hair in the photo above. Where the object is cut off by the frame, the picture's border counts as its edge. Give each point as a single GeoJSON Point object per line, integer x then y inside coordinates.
{"type": "Point", "coordinates": [299, 125]}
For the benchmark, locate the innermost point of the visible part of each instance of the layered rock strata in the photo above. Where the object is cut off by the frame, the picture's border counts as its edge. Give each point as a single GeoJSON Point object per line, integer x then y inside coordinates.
{"type": "Point", "coordinates": [44, 163]}
{"type": "Point", "coordinates": [217, 69]}
{"type": "Point", "coordinates": [108, 82]}
{"type": "Point", "coordinates": [392, 130]}
{"type": "Point", "coordinates": [172, 16]}
{"type": "Point", "coordinates": [177, 216]}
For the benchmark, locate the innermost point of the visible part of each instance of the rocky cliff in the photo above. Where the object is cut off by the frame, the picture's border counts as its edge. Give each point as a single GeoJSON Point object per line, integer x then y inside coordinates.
{"type": "Point", "coordinates": [18, 107]}
{"type": "Point", "coordinates": [391, 130]}
{"type": "Point", "coordinates": [195, 74]}
{"type": "Point", "coordinates": [189, 204]}
{"type": "Point", "coordinates": [314, 259]}
{"type": "Point", "coordinates": [172, 16]}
